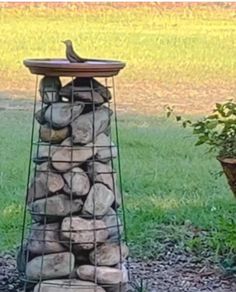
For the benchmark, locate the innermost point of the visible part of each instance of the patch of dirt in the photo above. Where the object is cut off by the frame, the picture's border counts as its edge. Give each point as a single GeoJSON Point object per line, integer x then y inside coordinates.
{"type": "Point", "coordinates": [174, 271]}
{"type": "Point", "coordinates": [149, 96]}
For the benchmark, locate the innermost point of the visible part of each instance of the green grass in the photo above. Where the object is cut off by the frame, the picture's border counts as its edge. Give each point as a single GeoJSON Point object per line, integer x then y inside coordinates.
{"type": "Point", "coordinates": [171, 191]}
{"type": "Point", "coordinates": [188, 44]}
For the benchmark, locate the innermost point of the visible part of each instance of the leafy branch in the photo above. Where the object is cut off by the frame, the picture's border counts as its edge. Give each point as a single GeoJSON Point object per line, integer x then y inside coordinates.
{"type": "Point", "coordinates": [217, 130]}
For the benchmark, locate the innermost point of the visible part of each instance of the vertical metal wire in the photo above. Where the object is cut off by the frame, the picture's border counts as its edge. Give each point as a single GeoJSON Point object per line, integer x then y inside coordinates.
{"type": "Point", "coordinates": [114, 187]}
{"type": "Point", "coordinates": [22, 251]}
{"type": "Point", "coordinates": [71, 179]}
{"type": "Point", "coordinates": [93, 183]}
{"type": "Point", "coordinates": [120, 173]}
{"type": "Point", "coordinates": [47, 188]}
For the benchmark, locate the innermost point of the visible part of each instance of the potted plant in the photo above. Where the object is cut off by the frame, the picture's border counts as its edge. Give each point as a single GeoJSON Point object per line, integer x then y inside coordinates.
{"type": "Point", "coordinates": [218, 131]}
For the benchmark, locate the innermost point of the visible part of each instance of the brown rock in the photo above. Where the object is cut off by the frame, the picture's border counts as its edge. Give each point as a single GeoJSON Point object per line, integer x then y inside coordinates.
{"type": "Point", "coordinates": [108, 254]}
{"type": "Point", "coordinates": [47, 134]}
{"type": "Point", "coordinates": [44, 239]}
{"type": "Point", "coordinates": [68, 286]}
{"type": "Point", "coordinates": [53, 207]}
{"type": "Point", "coordinates": [81, 232]}
{"type": "Point", "coordinates": [82, 127]}
{"type": "Point", "coordinates": [77, 182]}
{"type": "Point", "coordinates": [50, 266]}
{"type": "Point", "coordinates": [61, 114]}
{"type": "Point", "coordinates": [66, 157]}
{"type": "Point", "coordinates": [104, 275]}
{"type": "Point", "coordinates": [101, 197]}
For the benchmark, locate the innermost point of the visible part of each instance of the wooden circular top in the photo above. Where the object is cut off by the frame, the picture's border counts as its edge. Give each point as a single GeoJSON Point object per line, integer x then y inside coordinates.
{"type": "Point", "coordinates": [62, 67]}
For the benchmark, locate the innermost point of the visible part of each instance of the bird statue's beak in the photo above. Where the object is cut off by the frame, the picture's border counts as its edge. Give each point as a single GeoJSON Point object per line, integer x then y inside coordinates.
{"type": "Point", "coordinates": [63, 42]}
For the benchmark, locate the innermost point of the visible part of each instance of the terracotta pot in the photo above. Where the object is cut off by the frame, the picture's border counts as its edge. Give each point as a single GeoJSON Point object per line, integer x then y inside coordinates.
{"type": "Point", "coordinates": [229, 167]}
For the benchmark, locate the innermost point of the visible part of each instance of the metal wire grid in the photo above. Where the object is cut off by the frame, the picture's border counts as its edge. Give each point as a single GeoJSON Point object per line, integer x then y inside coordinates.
{"type": "Point", "coordinates": [28, 227]}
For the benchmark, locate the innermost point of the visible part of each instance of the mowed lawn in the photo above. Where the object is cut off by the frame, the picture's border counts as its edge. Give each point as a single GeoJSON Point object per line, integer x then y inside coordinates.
{"type": "Point", "coordinates": [175, 53]}
{"type": "Point", "coordinates": [170, 187]}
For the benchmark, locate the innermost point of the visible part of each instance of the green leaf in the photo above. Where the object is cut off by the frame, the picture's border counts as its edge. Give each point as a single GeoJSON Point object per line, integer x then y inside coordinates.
{"type": "Point", "coordinates": [201, 140]}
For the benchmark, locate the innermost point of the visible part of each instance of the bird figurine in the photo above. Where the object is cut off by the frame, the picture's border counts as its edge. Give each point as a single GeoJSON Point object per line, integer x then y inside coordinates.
{"type": "Point", "coordinates": [71, 55]}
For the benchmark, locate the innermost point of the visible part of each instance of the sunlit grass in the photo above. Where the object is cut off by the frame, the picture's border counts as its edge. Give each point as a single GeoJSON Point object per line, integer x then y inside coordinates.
{"type": "Point", "coordinates": [182, 45]}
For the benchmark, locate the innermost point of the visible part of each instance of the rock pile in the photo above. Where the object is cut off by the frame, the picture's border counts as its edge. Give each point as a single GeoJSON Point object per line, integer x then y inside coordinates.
{"type": "Point", "coordinates": [74, 243]}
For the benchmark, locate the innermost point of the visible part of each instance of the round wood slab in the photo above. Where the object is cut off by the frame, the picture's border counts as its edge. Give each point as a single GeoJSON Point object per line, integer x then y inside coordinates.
{"type": "Point", "coordinates": [62, 67]}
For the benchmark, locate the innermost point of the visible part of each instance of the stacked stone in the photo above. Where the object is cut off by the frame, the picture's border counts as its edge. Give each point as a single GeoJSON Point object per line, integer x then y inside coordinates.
{"type": "Point", "coordinates": [74, 242]}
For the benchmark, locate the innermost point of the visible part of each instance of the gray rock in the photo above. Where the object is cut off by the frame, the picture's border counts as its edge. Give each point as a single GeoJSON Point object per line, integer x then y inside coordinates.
{"type": "Point", "coordinates": [81, 94]}
{"type": "Point", "coordinates": [68, 286]}
{"type": "Point", "coordinates": [45, 152]}
{"type": "Point", "coordinates": [77, 182]}
{"type": "Point", "coordinates": [101, 173]}
{"type": "Point", "coordinates": [106, 150]}
{"type": "Point", "coordinates": [48, 134]}
{"type": "Point", "coordinates": [104, 275]}
{"type": "Point", "coordinates": [44, 183]}
{"type": "Point", "coordinates": [40, 115]}
{"type": "Point", "coordinates": [49, 89]}
{"type": "Point", "coordinates": [44, 239]}
{"type": "Point", "coordinates": [114, 225]}
{"type": "Point", "coordinates": [98, 201]}
{"type": "Point", "coordinates": [68, 156]}
{"type": "Point", "coordinates": [82, 127]}
{"type": "Point", "coordinates": [87, 82]}
{"type": "Point", "coordinates": [50, 266]}
{"type": "Point", "coordinates": [108, 254]}
{"type": "Point", "coordinates": [83, 233]}
{"type": "Point", "coordinates": [53, 207]}
{"type": "Point", "coordinates": [61, 114]}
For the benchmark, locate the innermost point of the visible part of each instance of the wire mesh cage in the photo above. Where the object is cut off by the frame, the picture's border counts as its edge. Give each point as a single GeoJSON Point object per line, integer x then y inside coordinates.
{"type": "Point", "coordinates": [74, 232]}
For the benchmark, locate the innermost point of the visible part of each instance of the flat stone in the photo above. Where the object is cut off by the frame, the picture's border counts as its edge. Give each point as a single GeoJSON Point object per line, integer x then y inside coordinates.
{"type": "Point", "coordinates": [108, 254]}
{"type": "Point", "coordinates": [48, 134]}
{"type": "Point", "coordinates": [81, 93]}
{"type": "Point", "coordinates": [106, 150]}
{"type": "Point", "coordinates": [44, 239]}
{"type": "Point", "coordinates": [68, 156]}
{"type": "Point", "coordinates": [77, 182]}
{"type": "Point", "coordinates": [53, 207]}
{"type": "Point", "coordinates": [83, 126]}
{"type": "Point", "coordinates": [84, 232]}
{"type": "Point", "coordinates": [101, 197]}
{"type": "Point", "coordinates": [104, 275]}
{"type": "Point", "coordinates": [87, 82]}
{"type": "Point", "coordinates": [114, 225]}
{"type": "Point", "coordinates": [50, 266]}
{"type": "Point", "coordinates": [72, 285]}
{"type": "Point", "coordinates": [61, 114]}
